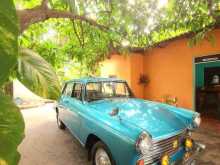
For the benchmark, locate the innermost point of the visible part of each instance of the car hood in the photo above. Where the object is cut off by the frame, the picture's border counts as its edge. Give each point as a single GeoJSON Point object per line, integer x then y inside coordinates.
{"type": "Point", "coordinates": [158, 119]}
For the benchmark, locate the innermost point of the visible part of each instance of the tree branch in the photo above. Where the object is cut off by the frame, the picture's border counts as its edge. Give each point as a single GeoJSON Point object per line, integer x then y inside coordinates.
{"type": "Point", "coordinates": [44, 3]}
{"type": "Point", "coordinates": [76, 33]}
{"type": "Point", "coordinates": [43, 13]}
{"type": "Point", "coordinates": [82, 33]}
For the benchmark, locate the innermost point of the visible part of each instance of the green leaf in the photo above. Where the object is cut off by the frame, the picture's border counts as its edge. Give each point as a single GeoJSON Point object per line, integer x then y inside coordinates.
{"type": "Point", "coordinates": [8, 38]}
{"type": "Point", "coordinates": [37, 75]}
{"type": "Point", "coordinates": [197, 39]}
{"type": "Point", "coordinates": [11, 131]}
{"type": "Point", "coordinates": [192, 42]}
{"type": "Point", "coordinates": [211, 38]}
{"type": "Point", "coordinates": [11, 121]}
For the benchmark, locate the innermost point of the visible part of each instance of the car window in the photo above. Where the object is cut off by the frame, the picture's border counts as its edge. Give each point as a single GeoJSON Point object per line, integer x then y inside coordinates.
{"type": "Point", "coordinates": [68, 89]}
{"type": "Point", "coordinates": [77, 91]}
{"type": "Point", "coordinates": [102, 90]}
{"type": "Point", "coordinates": [121, 89]}
{"type": "Point", "coordinates": [93, 90]}
{"type": "Point", "coordinates": [108, 88]}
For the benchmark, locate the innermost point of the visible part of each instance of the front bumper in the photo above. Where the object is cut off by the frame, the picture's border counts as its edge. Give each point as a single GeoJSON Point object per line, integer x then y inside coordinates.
{"type": "Point", "coordinates": [179, 158]}
{"type": "Point", "coordinates": [191, 160]}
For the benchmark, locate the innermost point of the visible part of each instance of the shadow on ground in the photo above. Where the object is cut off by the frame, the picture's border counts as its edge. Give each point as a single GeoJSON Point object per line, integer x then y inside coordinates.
{"type": "Point", "coordinates": [45, 144]}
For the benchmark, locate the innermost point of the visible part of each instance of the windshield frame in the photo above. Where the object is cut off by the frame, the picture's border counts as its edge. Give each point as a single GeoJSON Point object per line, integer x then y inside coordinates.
{"type": "Point", "coordinates": [131, 95]}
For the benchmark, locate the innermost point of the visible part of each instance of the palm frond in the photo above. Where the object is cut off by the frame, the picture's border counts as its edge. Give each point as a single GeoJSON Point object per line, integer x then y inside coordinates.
{"type": "Point", "coordinates": [37, 74]}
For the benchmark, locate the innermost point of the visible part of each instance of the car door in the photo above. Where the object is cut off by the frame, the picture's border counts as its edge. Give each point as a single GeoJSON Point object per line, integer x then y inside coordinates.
{"type": "Point", "coordinates": [75, 107]}
{"type": "Point", "coordinates": [64, 104]}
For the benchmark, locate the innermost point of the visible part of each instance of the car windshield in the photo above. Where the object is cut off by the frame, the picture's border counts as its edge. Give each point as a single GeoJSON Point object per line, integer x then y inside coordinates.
{"type": "Point", "coordinates": [111, 89]}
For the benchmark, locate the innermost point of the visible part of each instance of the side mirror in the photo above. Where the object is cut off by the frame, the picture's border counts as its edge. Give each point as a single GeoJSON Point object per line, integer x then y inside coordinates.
{"type": "Point", "coordinates": [114, 112]}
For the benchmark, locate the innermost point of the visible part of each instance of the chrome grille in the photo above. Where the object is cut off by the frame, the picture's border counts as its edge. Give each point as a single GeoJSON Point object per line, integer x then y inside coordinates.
{"type": "Point", "coordinates": [161, 147]}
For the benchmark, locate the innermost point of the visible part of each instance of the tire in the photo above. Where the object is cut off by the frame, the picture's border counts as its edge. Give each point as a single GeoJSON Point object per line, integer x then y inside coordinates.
{"type": "Point", "coordinates": [99, 146]}
{"type": "Point", "coordinates": [60, 124]}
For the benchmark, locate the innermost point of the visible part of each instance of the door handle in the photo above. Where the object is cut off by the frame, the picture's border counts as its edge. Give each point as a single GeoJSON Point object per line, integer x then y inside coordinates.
{"type": "Point", "coordinates": [61, 107]}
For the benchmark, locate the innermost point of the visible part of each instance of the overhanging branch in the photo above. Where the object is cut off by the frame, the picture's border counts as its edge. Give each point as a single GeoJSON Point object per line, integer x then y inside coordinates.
{"type": "Point", "coordinates": [43, 13]}
{"type": "Point", "coordinates": [44, 3]}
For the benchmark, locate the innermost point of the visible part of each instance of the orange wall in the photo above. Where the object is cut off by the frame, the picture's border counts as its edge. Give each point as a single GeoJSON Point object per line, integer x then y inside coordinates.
{"type": "Point", "coordinates": [118, 65]}
{"type": "Point", "coordinates": [137, 69]}
{"type": "Point", "coordinates": [170, 69]}
{"type": "Point", "coordinates": [127, 67]}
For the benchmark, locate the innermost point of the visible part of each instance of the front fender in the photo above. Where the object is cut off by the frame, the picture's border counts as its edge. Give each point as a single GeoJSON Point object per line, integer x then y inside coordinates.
{"type": "Point", "coordinates": [121, 146]}
{"type": "Point", "coordinates": [187, 116]}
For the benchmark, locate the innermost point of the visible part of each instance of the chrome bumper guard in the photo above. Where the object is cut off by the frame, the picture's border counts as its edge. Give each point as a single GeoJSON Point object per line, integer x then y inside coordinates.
{"type": "Point", "coordinates": [198, 148]}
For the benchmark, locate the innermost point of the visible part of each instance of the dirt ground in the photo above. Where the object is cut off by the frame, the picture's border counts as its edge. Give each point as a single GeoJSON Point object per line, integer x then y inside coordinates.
{"type": "Point", "coordinates": [45, 144]}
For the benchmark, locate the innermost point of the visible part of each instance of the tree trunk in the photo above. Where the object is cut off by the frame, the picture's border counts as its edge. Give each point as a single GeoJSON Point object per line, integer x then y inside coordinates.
{"type": "Point", "coordinates": [8, 89]}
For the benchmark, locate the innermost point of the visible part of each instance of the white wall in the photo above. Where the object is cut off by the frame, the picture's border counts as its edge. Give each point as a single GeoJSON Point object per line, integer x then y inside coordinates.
{"type": "Point", "coordinates": [22, 92]}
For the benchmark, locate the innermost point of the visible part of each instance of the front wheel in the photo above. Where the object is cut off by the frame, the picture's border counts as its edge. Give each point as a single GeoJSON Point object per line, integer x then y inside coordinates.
{"type": "Point", "coordinates": [101, 155]}
{"type": "Point", "coordinates": [60, 124]}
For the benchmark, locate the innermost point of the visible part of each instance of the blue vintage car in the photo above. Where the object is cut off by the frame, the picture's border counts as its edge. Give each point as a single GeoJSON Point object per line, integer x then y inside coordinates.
{"type": "Point", "coordinates": [119, 129]}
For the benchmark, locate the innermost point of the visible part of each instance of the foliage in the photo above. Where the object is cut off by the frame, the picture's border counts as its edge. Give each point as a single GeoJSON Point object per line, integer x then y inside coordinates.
{"type": "Point", "coordinates": [11, 121]}
{"type": "Point", "coordinates": [8, 39]}
{"type": "Point", "coordinates": [168, 99]}
{"type": "Point", "coordinates": [133, 24]}
{"type": "Point", "coordinates": [56, 42]}
{"type": "Point", "coordinates": [36, 74]}
{"type": "Point", "coordinates": [144, 79]}
{"type": "Point", "coordinates": [11, 131]}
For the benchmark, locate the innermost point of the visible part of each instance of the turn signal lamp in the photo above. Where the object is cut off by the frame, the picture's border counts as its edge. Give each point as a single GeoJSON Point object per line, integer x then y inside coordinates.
{"type": "Point", "coordinates": [165, 160]}
{"type": "Point", "coordinates": [188, 143]}
{"type": "Point", "coordinates": [140, 162]}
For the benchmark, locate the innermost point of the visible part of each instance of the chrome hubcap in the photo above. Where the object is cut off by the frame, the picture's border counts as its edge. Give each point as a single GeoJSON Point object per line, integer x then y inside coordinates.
{"type": "Point", "coordinates": [59, 123]}
{"type": "Point", "coordinates": [102, 158]}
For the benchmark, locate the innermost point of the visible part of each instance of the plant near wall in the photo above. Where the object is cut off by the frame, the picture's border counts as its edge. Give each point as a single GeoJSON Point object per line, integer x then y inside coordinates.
{"type": "Point", "coordinates": [144, 80]}
{"type": "Point", "coordinates": [171, 100]}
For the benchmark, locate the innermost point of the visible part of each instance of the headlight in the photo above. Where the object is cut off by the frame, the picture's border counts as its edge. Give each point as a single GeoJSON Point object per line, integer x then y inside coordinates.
{"type": "Point", "coordinates": [197, 121]}
{"type": "Point", "coordinates": [144, 142]}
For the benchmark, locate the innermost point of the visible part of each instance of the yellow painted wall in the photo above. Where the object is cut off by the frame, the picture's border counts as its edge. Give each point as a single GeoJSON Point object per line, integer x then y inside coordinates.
{"type": "Point", "coordinates": [170, 69]}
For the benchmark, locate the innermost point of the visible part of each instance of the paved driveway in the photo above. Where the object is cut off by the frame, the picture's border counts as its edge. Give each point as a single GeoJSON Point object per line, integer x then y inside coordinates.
{"type": "Point", "coordinates": [45, 144]}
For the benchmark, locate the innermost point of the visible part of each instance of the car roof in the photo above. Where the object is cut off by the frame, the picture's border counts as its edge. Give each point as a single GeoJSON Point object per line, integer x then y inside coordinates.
{"type": "Point", "coordinates": [94, 79]}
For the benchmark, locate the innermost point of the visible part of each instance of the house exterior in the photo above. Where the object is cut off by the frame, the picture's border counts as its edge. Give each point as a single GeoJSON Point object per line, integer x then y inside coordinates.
{"type": "Point", "coordinates": [170, 68]}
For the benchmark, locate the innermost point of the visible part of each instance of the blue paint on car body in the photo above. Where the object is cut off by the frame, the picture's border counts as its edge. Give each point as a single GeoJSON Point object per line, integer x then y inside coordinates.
{"type": "Point", "coordinates": [120, 132]}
